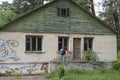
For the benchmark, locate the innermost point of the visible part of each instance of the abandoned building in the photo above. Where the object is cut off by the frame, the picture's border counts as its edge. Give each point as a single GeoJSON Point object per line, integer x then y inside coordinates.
{"type": "Point", "coordinates": [37, 36]}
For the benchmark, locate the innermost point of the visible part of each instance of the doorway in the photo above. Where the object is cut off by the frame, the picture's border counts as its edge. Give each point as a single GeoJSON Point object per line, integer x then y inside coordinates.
{"type": "Point", "coordinates": [77, 48]}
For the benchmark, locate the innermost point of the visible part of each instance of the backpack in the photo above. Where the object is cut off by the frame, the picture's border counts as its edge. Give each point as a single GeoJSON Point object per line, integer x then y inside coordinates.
{"type": "Point", "coordinates": [62, 52]}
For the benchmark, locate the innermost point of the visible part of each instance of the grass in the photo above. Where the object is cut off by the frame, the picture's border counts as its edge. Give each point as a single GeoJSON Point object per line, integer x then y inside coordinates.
{"type": "Point", "coordinates": [95, 76]}
{"type": "Point", "coordinates": [75, 74]}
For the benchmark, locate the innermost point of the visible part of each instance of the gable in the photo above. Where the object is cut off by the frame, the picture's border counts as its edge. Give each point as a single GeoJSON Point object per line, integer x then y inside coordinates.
{"type": "Point", "coordinates": [45, 19]}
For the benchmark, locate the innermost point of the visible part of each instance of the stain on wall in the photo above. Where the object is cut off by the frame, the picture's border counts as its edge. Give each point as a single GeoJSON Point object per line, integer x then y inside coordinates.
{"type": "Point", "coordinates": [6, 50]}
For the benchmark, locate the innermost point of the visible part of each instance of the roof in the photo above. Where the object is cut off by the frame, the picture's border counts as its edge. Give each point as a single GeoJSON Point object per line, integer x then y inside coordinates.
{"type": "Point", "coordinates": [38, 8]}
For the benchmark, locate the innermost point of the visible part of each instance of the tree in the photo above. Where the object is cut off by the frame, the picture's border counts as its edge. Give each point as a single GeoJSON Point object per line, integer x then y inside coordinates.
{"type": "Point", "coordinates": [5, 6]}
{"type": "Point", "coordinates": [87, 4]}
{"type": "Point", "coordinates": [111, 14]}
{"type": "Point", "coordinates": [92, 7]}
{"type": "Point", "coordinates": [23, 6]}
{"type": "Point", "coordinates": [6, 16]}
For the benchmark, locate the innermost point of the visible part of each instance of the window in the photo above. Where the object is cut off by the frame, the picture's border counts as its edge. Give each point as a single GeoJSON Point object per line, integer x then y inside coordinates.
{"type": "Point", "coordinates": [88, 44]}
{"type": "Point", "coordinates": [33, 43]}
{"type": "Point", "coordinates": [63, 12]}
{"type": "Point", "coordinates": [62, 43]}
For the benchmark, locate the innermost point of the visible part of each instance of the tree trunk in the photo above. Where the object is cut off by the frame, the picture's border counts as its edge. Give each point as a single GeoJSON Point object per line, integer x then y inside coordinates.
{"type": "Point", "coordinates": [92, 7]}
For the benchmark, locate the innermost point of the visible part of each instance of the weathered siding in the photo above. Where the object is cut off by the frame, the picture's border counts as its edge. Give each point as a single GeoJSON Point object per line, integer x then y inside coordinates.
{"type": "Point", "coordinates": [45, 19]}
{"type": "Point", "coordinates": [103, 45]}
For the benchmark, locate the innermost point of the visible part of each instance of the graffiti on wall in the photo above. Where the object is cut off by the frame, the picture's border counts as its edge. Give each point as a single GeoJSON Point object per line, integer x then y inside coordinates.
{"type": "Point", "coordinates": [24, 68]}
{"type": "Point", "coordinates": [6, 50]}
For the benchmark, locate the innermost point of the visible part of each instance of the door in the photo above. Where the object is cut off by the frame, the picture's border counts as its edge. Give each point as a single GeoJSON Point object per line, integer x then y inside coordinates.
{"type": "Point", "coordinates": [77, 48]}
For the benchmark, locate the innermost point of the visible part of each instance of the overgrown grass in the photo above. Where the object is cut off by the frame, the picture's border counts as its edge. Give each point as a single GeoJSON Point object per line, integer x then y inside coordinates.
{"type": "Point", "coordinates": [76, 74]}
{"type": "Point", "coordinates": [90, 75]}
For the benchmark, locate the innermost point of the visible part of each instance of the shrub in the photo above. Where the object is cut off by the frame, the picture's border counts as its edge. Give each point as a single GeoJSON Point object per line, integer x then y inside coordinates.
{"type": "Point", "coordinates": [61, 71]}
{"type": "Point", "coordinates": [90, 56]}
{"type": "Point", "coordinates": [2, 74]}
{"type": "Point", "coordinates": [116, 65]}
{"type": "Point", "coordinates": [47, 74]}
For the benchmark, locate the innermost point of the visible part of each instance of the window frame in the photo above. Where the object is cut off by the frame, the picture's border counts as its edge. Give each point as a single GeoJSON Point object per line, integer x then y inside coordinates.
{"type": "Point", "coordinates": [89, 44]}
{"type": "Point", "coordinates": [37, 49]}
{"type": "Point", "coordinates": [63, 42]}
{"type": "Point", "coordinates": [63, 12]}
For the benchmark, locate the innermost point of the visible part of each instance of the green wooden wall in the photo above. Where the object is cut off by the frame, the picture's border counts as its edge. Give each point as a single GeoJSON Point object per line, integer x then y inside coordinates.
{"type": "Point", "coordinates": [45, 19]}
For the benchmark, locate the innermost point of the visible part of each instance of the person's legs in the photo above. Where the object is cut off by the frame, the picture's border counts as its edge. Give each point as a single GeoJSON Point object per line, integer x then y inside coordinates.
{"type": "Point", "coordinates": [64, 58]}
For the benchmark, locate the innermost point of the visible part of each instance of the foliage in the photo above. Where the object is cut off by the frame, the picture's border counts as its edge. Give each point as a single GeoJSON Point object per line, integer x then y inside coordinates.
{"type": "Point", "coordinates": [116, 65]}
{"type": "Point", "coordinates": [2, 74]}
{"type": "Point", "coordinates": [110, 14]}
{"type": "Point", "coordinates": [5, 6]}
{"type": "Point", "coordinates": [61, 71]}
{"type": "Point", "coordinates": [9, 11]}
{"type": "Point", "coordinates": [6, 16]}
{"type": "Point", "coordinates": [23, 6]}
{"type": "Point", "coordinates": [6, 13]}
{"type": "Point", "coordinates": [87, 4]}
{"type": "Point", "coordinates": [47, 74]}
{"type": "Point", "coordinates": [58, 74]}
{"type": "Point", "coordinates": [90, 56]}
{"type": "Point", "coordinates": [76, 74]}
{"type": "Point", "coordinates": [16, 76]}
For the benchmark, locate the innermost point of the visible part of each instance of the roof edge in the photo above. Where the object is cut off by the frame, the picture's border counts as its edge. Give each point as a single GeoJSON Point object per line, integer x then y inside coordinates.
{"type": "Point", "coordinates": [87, 33]}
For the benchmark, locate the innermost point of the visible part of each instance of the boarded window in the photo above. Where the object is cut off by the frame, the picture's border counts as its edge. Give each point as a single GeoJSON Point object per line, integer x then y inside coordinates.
{"type": "Point", "coordinates": [62, 42]}
{"type": "Point", "coordinates": [63, 12]}
{"type": "Point", "coordinates": [33, 43]}
{"type": "Point", "coordinates": [88, 44]}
